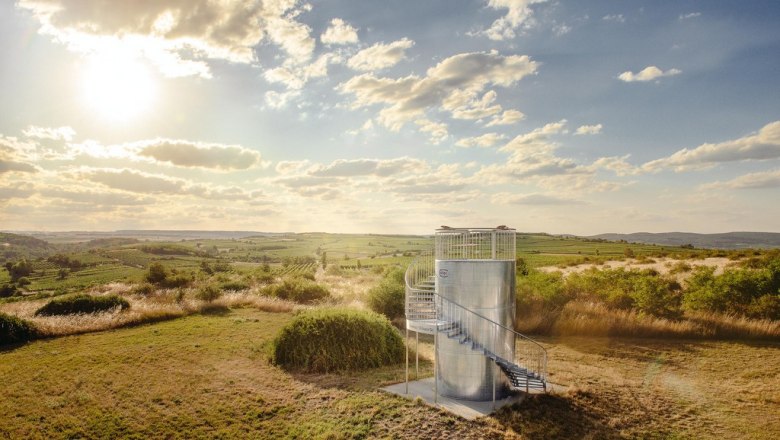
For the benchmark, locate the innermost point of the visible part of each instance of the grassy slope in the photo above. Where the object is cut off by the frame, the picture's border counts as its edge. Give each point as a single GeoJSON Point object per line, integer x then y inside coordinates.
{"type": "Point", "coordinates": [207, 376]}
{"type": "Point", "coordinates": [198, 377]}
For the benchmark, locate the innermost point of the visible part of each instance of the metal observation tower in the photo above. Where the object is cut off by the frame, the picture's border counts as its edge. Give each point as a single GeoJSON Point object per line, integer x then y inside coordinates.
{"type": "Point", "coordinates": [464, 295]}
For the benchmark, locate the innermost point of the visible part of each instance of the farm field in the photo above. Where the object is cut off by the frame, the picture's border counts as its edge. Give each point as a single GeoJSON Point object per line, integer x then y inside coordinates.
{"type": "Point", "coordinates": [208, 376]}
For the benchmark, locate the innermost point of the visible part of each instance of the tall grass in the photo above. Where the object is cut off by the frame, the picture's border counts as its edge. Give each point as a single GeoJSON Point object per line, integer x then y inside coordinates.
{"type": "Point", "coordinates": [583, 318]}
{"type": "Point", "coordinates": [148, 307]}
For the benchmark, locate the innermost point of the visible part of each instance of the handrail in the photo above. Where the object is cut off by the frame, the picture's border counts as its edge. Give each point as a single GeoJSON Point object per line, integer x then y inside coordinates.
{"type": "Point", "coordinates": [421, 269]}
{"type": "Point", "coordinates": [476, 332]}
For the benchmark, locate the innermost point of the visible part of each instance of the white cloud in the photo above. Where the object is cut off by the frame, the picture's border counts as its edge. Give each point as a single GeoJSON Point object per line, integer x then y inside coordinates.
{"type": "Point", "coordinates": [295, 75]}
{"type": "Point", "coordinates": [519, 13]}
{"type": "Point", "coordinates": [468, 105]}
{"type": "Point", "coordinates": [194, 154]}
{"type": "Point", "coordinates": [763, 145]}
{"type": "Point", "coordinates": [380, 55]}
{"type": "Point", "coordinates": [339, 32]}
{"type": "Point", "coordinates": [369, 167]}
{"type": "Point", "coordinates": [757, 180]}
{"type": "Point", "coordinates": [618, 165]}
{"type": "Point", "coordinates": [178, 36]}
{"type": "Point", "coordinates": [146, 183]}
{"type": "Point", "coordinates": [508, 117]}
{"type": "Point", "coordinates": [535, 199]}
{"type": "Point", "coordinates": [588, 129]}
{"type": "Point", "coordinates": [437, 131]}
{"type": "Point", "coordinates": [279, 100]}
{"type": "Point", "coordinates": [407, 98]}
{"type": "Point", "coordinates": [484, 141]}
{"type": "Point", "coordinates": [689, 15]}
{"type": "Point", "coordinates": [649, 73]}
{"type": "Point", "coordinates": [619, 18]}
{"type": "Point", "coordinates": [57, 134]}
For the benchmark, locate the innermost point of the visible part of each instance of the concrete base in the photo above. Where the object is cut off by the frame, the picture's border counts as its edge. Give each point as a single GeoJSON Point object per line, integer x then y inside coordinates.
{"type": "Point", "coordinates": [467, 409]}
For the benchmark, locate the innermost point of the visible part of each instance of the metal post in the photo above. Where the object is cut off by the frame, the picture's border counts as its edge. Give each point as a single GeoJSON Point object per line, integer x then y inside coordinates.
{"type": "Point", "coordinates": [494, 385]}
{"type": "Point", "coordinates": [436, 362]}
{"type": "Point", "coordinates": [417, 355]}
{"type": "Point", "coordinates": [407, 360]}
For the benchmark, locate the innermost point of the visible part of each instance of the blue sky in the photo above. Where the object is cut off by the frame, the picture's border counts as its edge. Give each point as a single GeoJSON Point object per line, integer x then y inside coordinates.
{"type": "Point", "coordinates": [565, 117]}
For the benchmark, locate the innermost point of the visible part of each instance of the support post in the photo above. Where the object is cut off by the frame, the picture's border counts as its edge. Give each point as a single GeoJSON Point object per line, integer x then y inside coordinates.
{"type": "Point", "coordinates": [494, 385]}
{"type": "Point", "coordinates": [406, 342]}
{"type": "Point", "coordinates": [417, 356]}
{"type": "Point", "coordinates": [436, 362]}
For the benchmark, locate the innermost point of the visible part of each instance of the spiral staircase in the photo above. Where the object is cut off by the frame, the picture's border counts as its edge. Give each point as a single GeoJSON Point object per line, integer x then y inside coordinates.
{"type": "Point", "coordinates": [430, 313]}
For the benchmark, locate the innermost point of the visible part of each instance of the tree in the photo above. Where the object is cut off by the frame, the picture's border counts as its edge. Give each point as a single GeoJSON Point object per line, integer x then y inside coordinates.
{"type": "Point", "coordinates": [324, 259]}
{"type": "Point", "coordinates": [62, 273]}
{"type": "Point", "coordinates": [21, 268]}
{"type": "Point", "coordinates": [157, 273]}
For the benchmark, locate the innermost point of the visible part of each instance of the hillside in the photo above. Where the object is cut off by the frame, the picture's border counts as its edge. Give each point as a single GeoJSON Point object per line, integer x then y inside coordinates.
{"type": "Point", "coordinates": [15, 246]}
{"type": "Point", "coordinates": [728, 240]}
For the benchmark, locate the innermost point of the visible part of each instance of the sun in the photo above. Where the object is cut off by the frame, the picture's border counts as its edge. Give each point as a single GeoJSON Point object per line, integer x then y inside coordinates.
{"type": "Point", "coordinates": [116, 88]}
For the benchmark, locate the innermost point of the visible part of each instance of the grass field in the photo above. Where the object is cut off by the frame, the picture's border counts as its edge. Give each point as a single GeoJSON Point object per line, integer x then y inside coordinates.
{"type": "Point", "coordinates": [207, 376]}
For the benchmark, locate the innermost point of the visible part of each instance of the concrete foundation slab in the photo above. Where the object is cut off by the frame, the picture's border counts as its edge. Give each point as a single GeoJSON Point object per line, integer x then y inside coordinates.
{"type": "Point", "coordinates": [467, 409]}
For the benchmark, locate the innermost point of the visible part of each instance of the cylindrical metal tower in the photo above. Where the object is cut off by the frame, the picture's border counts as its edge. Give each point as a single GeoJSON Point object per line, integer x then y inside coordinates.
{"type": "Point", "coordinates": [475, 274]}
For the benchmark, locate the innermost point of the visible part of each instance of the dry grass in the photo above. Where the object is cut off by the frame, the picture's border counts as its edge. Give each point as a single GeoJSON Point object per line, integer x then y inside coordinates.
{"type": "Point", "coordinates": [349, 286]}
{"type": "Point", "coordinates": [160, 305]}
{"type": "Point", "coordinates": [593, 319]}
{"type": "Point", "coordinates": [639, 388]}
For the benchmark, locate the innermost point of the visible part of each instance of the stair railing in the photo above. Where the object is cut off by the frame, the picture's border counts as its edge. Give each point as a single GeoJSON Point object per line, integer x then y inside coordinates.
{"type": "Point", "coordinates": [495, 338]}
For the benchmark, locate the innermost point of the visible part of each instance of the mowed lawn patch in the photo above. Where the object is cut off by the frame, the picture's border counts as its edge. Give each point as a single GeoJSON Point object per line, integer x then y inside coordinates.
{"type": "Point", "coordinates": [202, 376]}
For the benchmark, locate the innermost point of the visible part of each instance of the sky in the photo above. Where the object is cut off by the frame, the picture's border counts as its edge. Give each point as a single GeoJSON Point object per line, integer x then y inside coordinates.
{"type": "Point", "coordinates": [576, 117]}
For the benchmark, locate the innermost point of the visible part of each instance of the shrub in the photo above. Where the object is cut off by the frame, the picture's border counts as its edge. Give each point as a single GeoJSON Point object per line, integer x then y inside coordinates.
{"type": "Point", "coordinates": [299, 290]}
{"type": "Point", "coordinates": [82, 304]}
{"type": "Point", "coordinates": [143, 289]}
{"type": "Point", "coordinates": [323, 340]}
{"type": "Point", "coordinates": [208, 293]}
{"type": "Point", "coordinates": [7, 290]}
{"type": "Point", "coordinates": [731, 292]}
{"type": "Point", "coordinates": [234, 285]}
{"type": "Point", "coordinates": [157, 273]}
{"type": "Point", "coordinates": [14, 330]}
{"type": "Point", "coordinates": [23, 281]}
{"type": "Point", "coordinates": [176, 281]}
{"type": "Point", "coordinates": [387, 298]}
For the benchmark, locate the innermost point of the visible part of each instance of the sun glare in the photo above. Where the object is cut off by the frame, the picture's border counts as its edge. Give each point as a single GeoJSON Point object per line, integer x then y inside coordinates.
{"type": "Point", "coordinates": [117, 88]}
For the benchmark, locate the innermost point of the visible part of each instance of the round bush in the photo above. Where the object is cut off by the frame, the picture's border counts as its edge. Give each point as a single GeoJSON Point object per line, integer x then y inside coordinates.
{"type": "Point", "coordinates": [323, 340]}
{"type": "Point", "coordinates": [82, 304]}
{"type": "Point", "coordinates": [14, 330]}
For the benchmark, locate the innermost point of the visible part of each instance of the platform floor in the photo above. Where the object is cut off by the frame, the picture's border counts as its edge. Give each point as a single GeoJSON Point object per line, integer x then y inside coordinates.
{"type": "Point", "coordinates": [467, 409]}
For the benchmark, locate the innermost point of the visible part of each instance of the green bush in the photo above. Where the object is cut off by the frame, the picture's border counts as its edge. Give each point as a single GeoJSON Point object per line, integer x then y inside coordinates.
{"type": "Point", "coordinates": [299, 290]}
{"type": "Point", "coordinates": [208, 293]}
{"type": "Point", "coordinates": [156, 274]}
{"type": "Point", "coordinates": [323, 340]}
{"type": "Point", "coordinates": [387, 298]}
{"type": "Point", "coordinates": [7, 290]}
{"type": "Point", "coordinates": [14, 330]}
{"type": "Point", "coordinates": [736, 291]}
{"type": "Point", "coordinates": [143, 289]}
{"type": "Point", "coordinates": [82, 304]}
{"type": "Point", "coordinates": [176, 281]}
{"type": "Point", "coordinates": [234, 285]}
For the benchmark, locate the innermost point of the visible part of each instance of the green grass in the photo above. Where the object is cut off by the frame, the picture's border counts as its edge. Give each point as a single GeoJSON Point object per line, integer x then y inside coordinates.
{"type": "Point", "coordinates": [200, 377]}
{"type": "Point", "coordinates": [207, 376]}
